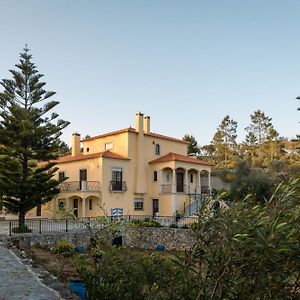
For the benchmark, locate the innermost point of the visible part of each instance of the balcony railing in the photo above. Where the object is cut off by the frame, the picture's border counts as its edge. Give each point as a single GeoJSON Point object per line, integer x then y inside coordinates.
{"type": "Point", "coordinates": [118, 186]}
{"type": "Point", "coordinates": [166, 188]}
{"type": "Point", "coordinates": [83, 186]}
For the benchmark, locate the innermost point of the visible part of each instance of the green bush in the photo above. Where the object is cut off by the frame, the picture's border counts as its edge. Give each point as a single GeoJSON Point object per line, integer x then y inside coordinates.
{"type": "Point", "coordinates": [147, 222]}
{"type": "Point", "coordinates": [174, 225]}
{"type": "Point", "coordinates": [124, 274]}
{"type": "Point", "coordinates": [21, 229]}
{"type": "Point", "coordinates": [64, 248]}
{"type": "Point", "coordinates": [250, 251]}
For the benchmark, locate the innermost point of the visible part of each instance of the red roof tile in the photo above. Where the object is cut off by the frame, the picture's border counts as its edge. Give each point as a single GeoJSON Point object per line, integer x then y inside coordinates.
{"type": "Point", "coordinates": [177, 157]}
{"type": "Point", "coordinates": [106, 154]}
{"type": "Point", "coordinates": [130, 129]}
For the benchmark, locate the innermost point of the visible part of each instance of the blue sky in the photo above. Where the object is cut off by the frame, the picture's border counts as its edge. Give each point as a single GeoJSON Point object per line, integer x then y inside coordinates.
{"type": "Point", "coordinates": [185, 63]}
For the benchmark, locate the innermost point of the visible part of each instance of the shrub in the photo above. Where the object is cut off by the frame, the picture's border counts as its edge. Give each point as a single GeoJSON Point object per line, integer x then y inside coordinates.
{"type": "Point", "coordinates": [250, 251]}
{"type": "Point", "coordinates": [21, 229]}
{"type": "Point", "coordinates": [64, 248]}
{"type": "Point", "coordinates": [147, 222]}
{"type": "Point", "coordinates": [122, 274]}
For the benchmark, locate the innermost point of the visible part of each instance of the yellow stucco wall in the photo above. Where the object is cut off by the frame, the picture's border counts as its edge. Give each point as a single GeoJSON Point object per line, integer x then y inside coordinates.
{"type": "Point", "coordinates": [137, 173]}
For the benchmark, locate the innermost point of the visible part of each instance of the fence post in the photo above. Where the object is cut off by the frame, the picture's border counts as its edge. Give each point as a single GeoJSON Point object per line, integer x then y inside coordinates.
{"type": "Point", "coordinates": [10, 228]}
{"type": "Point", "coordinates": [40, 225]}
{"type": "Point", "coordinates": [66, 225]}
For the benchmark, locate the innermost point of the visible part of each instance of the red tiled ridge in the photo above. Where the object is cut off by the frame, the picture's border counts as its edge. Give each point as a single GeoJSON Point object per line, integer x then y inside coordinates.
{"type": "Point", "coordinates": [177, 157]}
{"type": "Point", "coordinates": [130, 129]}
{"type": "Point", "coordinates": [106, 154]}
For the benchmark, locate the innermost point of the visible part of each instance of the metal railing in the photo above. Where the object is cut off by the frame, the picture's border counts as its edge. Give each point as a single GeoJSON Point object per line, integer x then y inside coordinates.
{"type": "Point", "coordinates": [39, 226]}
{"type": "Point", "coordinates": [178, 188]}
{"type": "Point", "coordinates": [83, 186]}
{"type": "Point", "coordinates": [117, 186]}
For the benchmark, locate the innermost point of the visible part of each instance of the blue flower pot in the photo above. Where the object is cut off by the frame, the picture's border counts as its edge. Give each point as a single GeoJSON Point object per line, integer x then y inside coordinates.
{"type": "Point", "coordinates": [80, 249]}
{"type": "Point", "coordinates": [78, 288]}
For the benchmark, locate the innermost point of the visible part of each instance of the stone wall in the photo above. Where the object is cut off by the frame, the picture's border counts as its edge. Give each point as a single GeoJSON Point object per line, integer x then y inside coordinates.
{"type": "Point", "coordinates": [141, 237]}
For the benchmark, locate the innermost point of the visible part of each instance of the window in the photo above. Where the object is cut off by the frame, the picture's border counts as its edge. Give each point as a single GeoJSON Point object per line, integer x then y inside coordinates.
{"type": "Point", "coordinates": [117, 177]}
{"type": "Point", "coordinates": [61, 204]}
{"type": "Point", "coordinates": [39, 210]}
{"type": "Point", "coordinates": [155, 176]}
{"type": "Point", "coordinates": [109, 146]}
{"type": "Point", "coordinates": [90, 203]}
{"type": "Point", "coordinates": [61, 176]}
{"type": "Point", "coordinates": [191, 178]}
{"type": "Point", "coordinates": [168, 176]}
{"type": "Point", "coordinates": [157, 149]}
{"type": "Point", "coordinates": [117, 212]}
{"type": "Point", "coordinates": [87, 149]}
{"type": "Point", "coordinates": [83, 175]}
{"type": "Point", "coordinates": [138, 204]}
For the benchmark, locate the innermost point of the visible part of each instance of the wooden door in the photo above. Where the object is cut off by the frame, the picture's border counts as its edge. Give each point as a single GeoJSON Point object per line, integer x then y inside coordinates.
{"type": "Point", "coordinates": [179, 182]}
{"type": "Point", "coordinates": [155, 207]}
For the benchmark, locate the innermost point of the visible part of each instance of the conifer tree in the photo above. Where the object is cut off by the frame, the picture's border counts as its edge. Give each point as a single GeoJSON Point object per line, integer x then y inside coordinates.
{"type": "Point", "coordinates": [29, 135]}
{"type": "Point", "coordinates": [224, 141]}
{"type": "Point", "coordinates": [260, 128]}
{"type": "Point", "coordinates": [193, 147]}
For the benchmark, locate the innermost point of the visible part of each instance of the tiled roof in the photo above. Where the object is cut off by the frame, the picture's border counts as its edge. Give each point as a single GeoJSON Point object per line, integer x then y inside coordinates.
{"type": "Point", "coordinates": [109, 133]}
{"type": "Point", "coordinates": [106, 154]}
{"type": "Point", "coordinates": [177, 157]}
{"type": "Point", "coordinates": [130, 129]}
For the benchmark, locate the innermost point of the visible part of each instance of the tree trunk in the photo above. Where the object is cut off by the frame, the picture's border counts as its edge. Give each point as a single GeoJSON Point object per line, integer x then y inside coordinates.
{"type": "Point", "coordinates": [21, 219]}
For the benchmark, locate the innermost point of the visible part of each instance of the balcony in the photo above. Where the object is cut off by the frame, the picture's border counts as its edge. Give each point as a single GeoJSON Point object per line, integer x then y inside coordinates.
{"type": "Point", "coordinates": [179, 188]}
{"type": "Point", "coordinates": [83, 186]}
{"type": "Point", "coordinates": [117, 186]}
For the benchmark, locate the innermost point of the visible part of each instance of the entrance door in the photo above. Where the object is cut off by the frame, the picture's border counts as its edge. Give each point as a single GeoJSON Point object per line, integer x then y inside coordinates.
{"type": "Point", "coordinates": [155, 207]}
{"type": "Point", "coordinates": [179, 182]}
{"type": "Point", "coordinates": [75, 207]}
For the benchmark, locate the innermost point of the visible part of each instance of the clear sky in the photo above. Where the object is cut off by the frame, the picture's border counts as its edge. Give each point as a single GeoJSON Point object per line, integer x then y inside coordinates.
{"type": "Point", "coordinates": [185, 63]}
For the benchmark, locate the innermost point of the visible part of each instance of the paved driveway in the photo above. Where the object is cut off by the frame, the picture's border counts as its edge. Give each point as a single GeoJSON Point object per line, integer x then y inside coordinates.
{"type": "Point", "coordinates": [18, 282]}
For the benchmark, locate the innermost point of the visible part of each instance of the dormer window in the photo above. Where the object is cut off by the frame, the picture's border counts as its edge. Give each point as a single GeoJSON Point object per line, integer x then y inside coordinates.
{"type": "Point", "coordinates": [157, 149]}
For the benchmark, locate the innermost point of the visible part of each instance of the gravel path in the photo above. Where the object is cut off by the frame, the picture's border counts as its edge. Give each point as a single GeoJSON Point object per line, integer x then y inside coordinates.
{"type": "Point", "coordinates": [17, 281]}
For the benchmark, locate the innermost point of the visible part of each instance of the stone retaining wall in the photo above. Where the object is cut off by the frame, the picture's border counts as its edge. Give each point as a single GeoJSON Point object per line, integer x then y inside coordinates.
{"type": "Point", "coordinates": [142, 238]}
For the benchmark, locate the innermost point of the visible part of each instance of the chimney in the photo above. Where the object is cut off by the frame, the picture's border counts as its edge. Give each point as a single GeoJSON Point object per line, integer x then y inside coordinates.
{"type": "Point", "coordinates": [139, 122]}
{"type": "Point", "coordinates": [75, 144]}
{"type": "Point", "coordinates": [147, 124]}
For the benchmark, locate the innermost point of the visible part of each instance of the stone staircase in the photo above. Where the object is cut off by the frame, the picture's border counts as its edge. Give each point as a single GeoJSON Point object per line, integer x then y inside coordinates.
{"type": "Point", "coordinates": [191, 207]}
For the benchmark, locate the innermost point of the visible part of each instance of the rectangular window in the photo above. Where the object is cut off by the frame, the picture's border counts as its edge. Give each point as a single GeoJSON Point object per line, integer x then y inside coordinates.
{"type": "Point", "coordinates": [138, 204]}
{"type": "Point", "coordinates": [39, 210]}
{"type": "Point", "coordinates": [117, 178]}
{"type": "Point", "coordinates": [61, 175]}
{"type": "Point", "coordinates": [83, 175]}
{"type": "Point", "coordinates": [90, 204]}
{"type": "Point", "coordinates": [109, 146]}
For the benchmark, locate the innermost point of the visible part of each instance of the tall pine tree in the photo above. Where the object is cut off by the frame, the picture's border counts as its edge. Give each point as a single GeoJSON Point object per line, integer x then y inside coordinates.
{"type": "Point", "coordinates": [29, 139]}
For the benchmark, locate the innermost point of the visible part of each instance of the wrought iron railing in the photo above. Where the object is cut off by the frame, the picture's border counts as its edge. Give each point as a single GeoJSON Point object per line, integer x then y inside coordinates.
{"type": "Point", "coordinates": [117, 186]}
{"type": "Point", "coordinates": [84, 186]}
{"type": "Point", "coordinates": [64, 225]}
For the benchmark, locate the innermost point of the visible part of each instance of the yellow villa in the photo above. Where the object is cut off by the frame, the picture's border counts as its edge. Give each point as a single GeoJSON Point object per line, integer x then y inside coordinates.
{"type": "Point", "coordinates": [131, 171]}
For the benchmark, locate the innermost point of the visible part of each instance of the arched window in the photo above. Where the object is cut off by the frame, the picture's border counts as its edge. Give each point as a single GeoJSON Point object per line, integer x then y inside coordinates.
{"type": "Point", "coordinates": [157, 149]}
{"type": "Point", "coordinates": [155, 176]}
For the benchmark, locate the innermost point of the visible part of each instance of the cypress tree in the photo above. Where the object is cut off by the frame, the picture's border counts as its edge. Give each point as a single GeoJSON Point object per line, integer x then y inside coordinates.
{"type": "Point", "coordinates": [29, 139]}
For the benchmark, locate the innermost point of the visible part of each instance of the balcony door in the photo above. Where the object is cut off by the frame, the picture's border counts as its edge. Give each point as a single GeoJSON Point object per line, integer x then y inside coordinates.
{"type": "Point", "coordinates": [179, 182]}
{"type": "Point", "coordinates": [82, 179]}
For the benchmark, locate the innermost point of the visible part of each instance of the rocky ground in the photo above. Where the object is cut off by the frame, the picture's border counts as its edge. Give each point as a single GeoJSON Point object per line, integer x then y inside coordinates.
{"type": "Point", "coordinates": [20, 280]}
